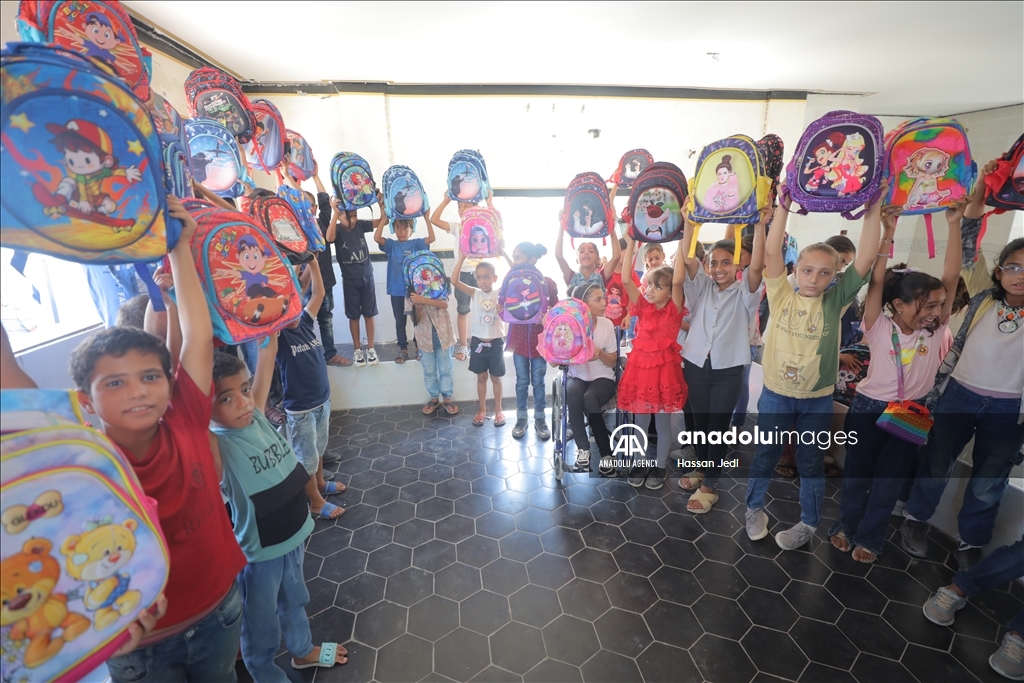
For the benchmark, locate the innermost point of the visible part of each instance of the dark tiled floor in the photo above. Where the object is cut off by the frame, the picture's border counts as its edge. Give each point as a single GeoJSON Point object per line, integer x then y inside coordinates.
{"type": "Point", "coordinates": [460, 558]}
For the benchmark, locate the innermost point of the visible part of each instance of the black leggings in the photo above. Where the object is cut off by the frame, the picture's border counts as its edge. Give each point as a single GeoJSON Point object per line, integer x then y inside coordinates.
{"type": "Point", "coordinates": [713, 395]}
{"type": "Point", "coordinates": [587, 398]}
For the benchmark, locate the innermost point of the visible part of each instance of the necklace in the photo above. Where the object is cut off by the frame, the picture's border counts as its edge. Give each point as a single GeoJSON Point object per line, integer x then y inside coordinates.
{"type": "Point", "coordinates": [1010, 318]}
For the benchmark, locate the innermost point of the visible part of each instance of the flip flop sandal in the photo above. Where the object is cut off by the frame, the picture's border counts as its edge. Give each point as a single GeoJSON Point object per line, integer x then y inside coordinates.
{"type": "Point", "coordinates": [691, 477]}
{"type": "Point", "coordinates": [431, 406]}
{"type": "Point", "coordinates": [706, 500]}
{"type": "Point", "coordinates": [333, 488]}
{"type": "Point", "coordinates": [327, 510]}
{"type": "Point", "coordinates": [339, 360]}
{"type": "Point", "coordinates": [402, 357]}
{"type": "Point", "coordinates": [328, 658]}
{"type": "Point", "coordinates": [841, 535]}
{"type": "Point", "coordinates": [450, 407]}
{"type": "Point", "coordinates": [831, 472]}
{"type": "Point", "coordinates": [478, 420]}
{"type": "Point", "coordinates": [499, 420]}
{"type": "Point", "coordinates": [871, 554]}
{"type": "Point", "coordinates": [786, 470]}
{"type": "Point", "coordinates": [328, 475]}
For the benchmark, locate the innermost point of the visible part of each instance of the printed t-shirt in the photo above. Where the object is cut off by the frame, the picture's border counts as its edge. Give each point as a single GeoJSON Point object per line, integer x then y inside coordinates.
{"type": "Point", "coordinates": [266, 486]}
{"type": "Point", "coordinates": [396, 252]}
{"type": "Point", "coordinates": [352, 250]}
{"type": "Point", "coordinates": [991, 360]}
{"type": "Point", "coordinates": [577, 279]}
{"type": "Point", "coordinates": [303, 368]}
{"type": "Point", "coordinates": [922, 354]}
{"type": "Point", "coordinates": [801, 353]}
{"type": "Point", "coordinates": [178, 472]}
{"type": "Point", "coordinates": [604, 339]}
{"type": "Point", "coordinates": [486, 322]}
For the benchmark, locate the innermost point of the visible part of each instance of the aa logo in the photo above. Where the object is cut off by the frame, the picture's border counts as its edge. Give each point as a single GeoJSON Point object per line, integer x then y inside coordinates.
{"type": "Point", "coordinates": [629, 442]}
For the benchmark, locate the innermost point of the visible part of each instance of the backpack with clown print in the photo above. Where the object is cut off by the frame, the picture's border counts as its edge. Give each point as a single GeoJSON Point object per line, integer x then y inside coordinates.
{"type": "Point", "coordinates": [424, 275]}
{"type": "Point", "coordinates": [523, 295]}
{"type": "Point", "coordinates": [654, 213]}
{"type": "Point", "coordinates": [568, 336]}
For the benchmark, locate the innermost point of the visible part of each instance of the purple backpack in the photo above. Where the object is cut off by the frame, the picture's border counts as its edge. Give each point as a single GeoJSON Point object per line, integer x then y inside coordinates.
{"type": "Point", "coordinates": [838, 165]}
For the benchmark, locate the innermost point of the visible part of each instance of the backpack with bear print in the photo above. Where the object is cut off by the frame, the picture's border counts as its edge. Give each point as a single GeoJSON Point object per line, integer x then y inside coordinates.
{"type": "Point", "coordinates": [250, 289]}
{"type": "Point", "coordinates": [215, 159]}
{"type": "Point", "coordinates": [568, 336]}
{"type": "Point", "coordinates": [265, 151]}
{"type": "Point", "coordinates": [424, 275]}
{"type": "Point", "coordinates": [481, 235]}
{"type": "Point", "coordinates": [299, 155]}
{"type": "Point", "coordinates": [838, 165]}
{"type": "Point", "coordinates": [731, 184]}
{"type": "Point", "coordinates": [654, 213]}
{"type": "Point", "coordinates": [404, 196]}
{"type": "Point", "coordinates": [213, 94]}
{"type": "Point", "coordinates": [353, 181]}
{"type": "Point", "coordinates": [278, 219]}
{"type": "Point", "coordinates": [100, 30]}
{"type": "Point", "coordinates": [467, 177]}
{"type": "Point", "coordinates": [587, 211]}
{"type": "Point", "coordinates": [82, 553]}
{"type": "Point", "coordinates": [631, 165]}
{"type": "Point", "coordinates": [523, 295]}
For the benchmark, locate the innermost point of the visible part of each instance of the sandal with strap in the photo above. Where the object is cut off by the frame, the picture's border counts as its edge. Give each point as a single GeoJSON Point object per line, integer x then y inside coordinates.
{"type": "Point", "coordinates": [450, 407]}
{"type": "Point", "coordinates": [340, 361]}
{"type": "Point", "coordinates": [431, 406]}
{"type": "Point", "coordinates": [499, 420]}
{"type": "Point", "coordinates": [862, 554]}
{"type": "Point", "coordinates": [332, 488]}
{"type": "Point", "coordinates": [840, 537]}
{"type": "Point", "coordinates": [402, 357]}
{"type": "Point", "coordinates": [694, 479]}
{"type": "Point", "coordinates": [327, 511]}
{"type": "Point", "coordinates": [786, 470]}
{"type": "Point", "coordinates": [706, 500]}
{"type": "Point", "coordinates": [328, 657]}
{"type": "Point", "coordinates": [478, 420]}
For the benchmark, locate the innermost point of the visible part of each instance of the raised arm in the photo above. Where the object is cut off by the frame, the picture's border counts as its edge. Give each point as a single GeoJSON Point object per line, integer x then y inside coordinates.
{"type": "Point", "coordinates": [196, 329]}
{"type": "Point", "coordinates": [165, 324]}
{"type": "Point", "coordinates": [382, 220]}
{"type": "Point", "coordinates": [613, 262]}
{"type": "Point", "coordinates": [317, 296]}
{"type": "Point", "coordinates": [508, 259]}
{"type": "Point", "coordinates": [873, 300]}
{"type": "Point", "coordinates": [457, 282]}
{"type": "Point", "coordinates": [319, 184]}
{"type": "Point", "coordinates": [678, 277]}
{"type": "Point", "coordinates": [774, 264]}
{"type": "Point", "coordinates": [868, 246]}
{"type": "Point", "coordinates": [429, 239]}
{"type": "Point", "coordinates": [202, 193]}
{"type": "Point", "coordinates": [559, 242]}
{"type": "Point", "coordinates": [627, 275]}
{"type": "Point", "coordinates": [692, 264]}
{"type": "Point", "coordinates": [435, 218]}
{"type": "Point", "coordinates": [755, 271]}
{"type": "Point", "coordinates": [954, 256]}
{"type": "Point", "coordinates": [264, 373]}
{"type": "Point", "coordinates": [11, 374]}
{"type": "Point", "coordinates": [336, 216]}
{"type": "Point", "coordinates": [378, 230]}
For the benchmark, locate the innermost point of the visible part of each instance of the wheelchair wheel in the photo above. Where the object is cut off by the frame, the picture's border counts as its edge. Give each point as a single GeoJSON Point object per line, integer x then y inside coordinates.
{"type": "Point", "coordinates": [559, 466]}
{"type": "Point", "coordinates": [557, 404]}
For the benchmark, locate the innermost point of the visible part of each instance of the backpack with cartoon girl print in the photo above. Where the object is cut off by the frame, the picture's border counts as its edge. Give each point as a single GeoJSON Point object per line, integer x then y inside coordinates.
{"type": "Point", "coordinates": [654, 213]}
{"type": "Point", "coordinates": [215, 159]}
{"type": "Point", "coordinates": [424, 275]}
{"type": "Point", "coordinates": [838, 165]}
{"type": "Point", "coordinates": [213, 94]}
{"type": "Point", "coordinates": [631, 165]}
{"type": "Point", "coordinates": [523, 295]}
{"type": "Point", "coordinates": [618, 301]}
{"type": "Point", "coordinates": [404, 196]}
{"type": "Point", "coordinates": [265, 151]}
{"type": "Point", "coordinates": [299, 155]}
{"type": "Point", "coordinates": [250, 289]}
{"type": "Point", "coordinates": [568, 336]}
{"type": "Point", "coordinates": [278, 219]}
{"type": "Point", "coordinates": [731, 184]}
{"type": "Point", "coordinates": [481, 233]}
{"type": "Point", "coordinates": [930, 168]}
{"type": "Point", "coordinates": [353, 181]}
{"type": "Point", "coordinates": [587, 212]}
{"type": "Point", "coordinates": [467, 177]}
{"type": "Point", "coordinates": [100, 30]}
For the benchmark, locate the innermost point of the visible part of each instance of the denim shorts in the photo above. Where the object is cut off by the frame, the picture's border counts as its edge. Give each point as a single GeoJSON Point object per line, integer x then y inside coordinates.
{"type": "Point", "coordinates": [307, 433]}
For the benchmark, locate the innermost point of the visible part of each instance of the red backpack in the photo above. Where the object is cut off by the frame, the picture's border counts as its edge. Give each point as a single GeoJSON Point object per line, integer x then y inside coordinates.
{"type": "Point", "coordinates": [213, 94]}
{"type": "Point", "coordinates": [265, 151]}
{"type": "Point", "coordinates": [278, 219]}
{"type": "Point", "coordinates": [588, 211]}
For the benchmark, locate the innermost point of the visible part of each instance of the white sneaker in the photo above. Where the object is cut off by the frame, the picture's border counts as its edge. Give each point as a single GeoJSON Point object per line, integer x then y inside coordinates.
{"type": "Point", "coordinates": [371, 357]}
{"type": "Point", "coordinates": [358, 359]}
{"type": "Point", "coordinates": [757, 524]}
{"type": "Point", "coordinates": [794, 537]}
{"type": "Point", "coordinates": [582, 460]}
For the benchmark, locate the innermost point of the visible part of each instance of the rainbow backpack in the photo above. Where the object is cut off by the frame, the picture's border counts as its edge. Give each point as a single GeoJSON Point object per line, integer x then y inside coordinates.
{"type": "Point", "coordinates": [930, 168]}
{"type": "Point", "coordinates": [731, 184]}
{"type": "Point", "coordinates": [838, 165]}
{"type": "Point", "coordinates": [279, 220]}
{"type": "Point", "coordinates": [523, 295]}
{"type": "Point", "coordinates": [587, 212]}
{"type": "Point", "coordinates": [424, 275]}
{"type": "Point", "coordinates": [481, 233]}
{"type": "Point", "coordinates": [250, 289]}
{"type": "Point", "coordinates": [213, 94]}
{"type": "Point", "coordinates": [81, 549]}
{"type": "Point", "coordinates": [404, 196]}
{"type": "Point", "coordinates": [215, 160]}
{"type": "Point", "coordinates": [101, 30]}
{"type": "Point", "coordinates": [353, 181]}
{"type": "Point", "coordinates": [654, 213]}
{"type": "Point", "coordinates": [568, 337]}
{"type": "Point", "coordinates": [265, 151]}
{"type": "Point", "coordinates": [467, 177]}
{"type": "Point", "coordinates": [299, 156]}
{"type": "Point", "coordinates": [306, 214]}
{"type": "Point", "coordinates": [631, 165]}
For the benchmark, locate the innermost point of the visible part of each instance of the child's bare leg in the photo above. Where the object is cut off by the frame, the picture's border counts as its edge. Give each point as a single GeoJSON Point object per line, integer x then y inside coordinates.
{"type": "Point", "coordinates": [463, 325]}
{"type": "Point", "coordinates": [320, 481]}
{"type": "Point", "coordinates": [369, 331]}
{"type": "Point", "coordinates": [496, 384]}
{"type": "Point", "coordinates": [316, 500]}
{"type": "Point", "coordinates": [481, 391]}
{"type": "Point", "coordinates": [353, 328]}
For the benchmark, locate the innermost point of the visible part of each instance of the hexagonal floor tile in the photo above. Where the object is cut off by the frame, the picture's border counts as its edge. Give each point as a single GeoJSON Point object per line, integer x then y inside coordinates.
{"type": "Point", "coordinates": [721, 660]}
{"type": "Point", "coordinates": [461, 654]}
{"type": "Point", "coordinates": [583, 599]}
{"type": "Point", "coordinates": [406, 659]}
{"type": "Point", "coordinates": [409, 586]}
{"type": "Point", "coordinates": [549, 571]}
{"type": "Point", "coordinates": [360, 592]}
{"type": "Point", "coordinates": [457, 582]}
{"type": "Point", "coordinates": [623, 632]}
{"type": "Point", "coordinates": [380, 624]}
{"type": "Point", "coordinates": [484, 612]}
{"type": "Point", "coordinates": [433, 618]}
{"type": "Point", "coordinates": [535, 606]}
{"type": "Point", "coordinates": [517, 647]}
{"type": "Point", "coordinates": [574, 641]}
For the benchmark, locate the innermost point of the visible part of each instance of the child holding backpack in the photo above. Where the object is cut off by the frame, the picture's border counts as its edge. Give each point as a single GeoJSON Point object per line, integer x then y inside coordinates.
{"type": "Point", "coordinates": [396, 250]}
{"type": "Point", "coordinates": [432, 329]}
{"type": "Point", "coordinates": [530, 366]}
{"type": "Point", "coordinates": [589, 260]}
{"type": "Point", "coordinates": [653, 381]}
{"type": "Point", "coordinates": [487, 343]}
{"type": "Point", "coordinates": [801, 365]}
{"type": "Point", "coordinates": [270, 518]}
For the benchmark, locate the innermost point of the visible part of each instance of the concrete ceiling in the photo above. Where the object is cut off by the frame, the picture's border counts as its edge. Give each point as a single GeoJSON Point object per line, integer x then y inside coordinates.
{"type": "Point", "coordinates": [909, 58]}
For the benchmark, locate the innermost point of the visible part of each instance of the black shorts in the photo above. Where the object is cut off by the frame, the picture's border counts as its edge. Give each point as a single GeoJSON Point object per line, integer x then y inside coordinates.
{"type": "Point", "coordinates": [360, 297]}
{"type": "Point", "coordinates": [484, 359]}
{"type": "Point", "coordinates": [462, 299]}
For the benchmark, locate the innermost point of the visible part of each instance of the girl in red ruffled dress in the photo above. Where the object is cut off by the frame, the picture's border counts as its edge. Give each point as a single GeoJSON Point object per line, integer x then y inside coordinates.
{"type": "Point", "coordinates": [653, 381]}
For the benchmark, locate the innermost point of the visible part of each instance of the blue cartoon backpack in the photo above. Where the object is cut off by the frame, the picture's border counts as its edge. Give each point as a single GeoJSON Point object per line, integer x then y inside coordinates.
{"type": "Point", "coordinates": [175, 145]}
{"type": "Point", "coordinates": [306, 213]}
{"type": "Point", "coordinates": [404, 196]}
{"type": "Point", "coordinates": [215, 160]}
{"type": "Point", "coordinates": [523, 295]}
{"type": "Point", "coordinates": [467, 177]}
{"type": "Point", "coordinates": [82, 553]}
{"type": "Point", "coordinates": [65, 113]}
{"type": "Point", "coordinates": [265, 151]}
{"type": "Point", "coordinates": [353, 181]}
{"type": "Point", "coordinates": [299, 156]}
{"type": "Point", "coordinates": [424, 275]}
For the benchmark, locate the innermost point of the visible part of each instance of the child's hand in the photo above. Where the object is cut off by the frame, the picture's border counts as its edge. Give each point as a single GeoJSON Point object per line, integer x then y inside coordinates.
{"type": "Point", "coordinates": [766, 214]}
{"type": "Point", "coordinates": [597, 354]}
{"type": "Point", "coordinates": [849, 362]}
{"type": "Point", "coordinates": [875, 209]}
{"type": "Point", "coordinates": [145, 623]}
{"type": "Point", "coordinates": [188, 224]}
{"type": "Point", "coordinates": [890, 212]}
{"type": "Point", "coordinates": [956, 212]}
{"type": "Point", "coordinates": [418, 299]}
{"type": "Point", "coordinates": [163, 278]}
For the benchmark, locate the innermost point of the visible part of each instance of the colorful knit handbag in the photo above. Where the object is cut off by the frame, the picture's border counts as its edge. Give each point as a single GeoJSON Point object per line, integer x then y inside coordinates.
{"type": "Point", "coordinates": [903, 419]}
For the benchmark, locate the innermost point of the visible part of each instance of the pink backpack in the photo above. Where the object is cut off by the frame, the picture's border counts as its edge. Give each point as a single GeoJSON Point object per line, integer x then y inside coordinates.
{"type": "Point", "coordinates": [568, 337]}
{"type": "Point", "coordinates": [481, 233]}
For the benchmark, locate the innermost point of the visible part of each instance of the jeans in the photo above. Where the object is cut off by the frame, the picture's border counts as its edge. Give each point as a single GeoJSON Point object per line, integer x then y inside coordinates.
{"type": "Point", "coordinates": [712, 399]}
{"type": "Point", "coordinates": [960, 414]}
{"type": "Point", "coordinates": [777, 412]}
{"type": "Point", "coordinates": [307, 433]}
{"type": "Point", "coordinates": [202, 653]}
{"type": "Point", "coordinates": [587, 398]}
{"type": "Point", "coordinates": [437, 370]}
{"type": "Point", "coordinates": [530, 371]}
{"type": "Point", "coordinates": [998, 568]}
{"type": "Point", "coordinates": [739, 414]}
{"type": "Point", "coordinates": [398, 308]}
{"type": "Point", "coordinates": [876, 467]}
{"type": "Point", "coordinates": [325, 318]}
{"type": "Point", "coordinates": [274, 599]}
